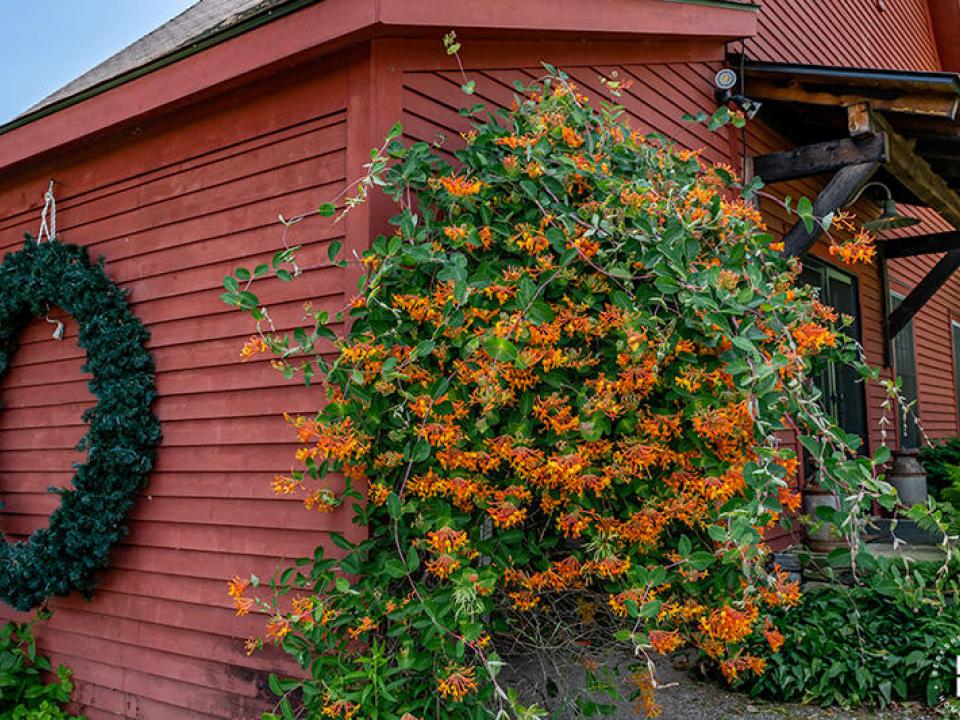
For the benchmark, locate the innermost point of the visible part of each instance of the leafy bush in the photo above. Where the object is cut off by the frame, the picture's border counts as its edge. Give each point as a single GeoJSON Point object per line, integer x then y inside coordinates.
{"type": "Point", "coordinates": [564, 375]}
{"type": "Point", "coordinates": [25, 693]}
{"type": "Point", "coordinates": [854, 646]}
{"type": "Point", "coordinates": [942, 461]}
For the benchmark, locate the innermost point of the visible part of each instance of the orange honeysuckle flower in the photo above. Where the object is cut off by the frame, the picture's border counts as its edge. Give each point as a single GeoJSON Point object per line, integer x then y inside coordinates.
{"type": "Point", "coordinates": [459, 682]}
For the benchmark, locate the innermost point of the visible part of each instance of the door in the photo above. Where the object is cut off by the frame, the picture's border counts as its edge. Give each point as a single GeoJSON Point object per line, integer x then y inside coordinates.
{"type": "Point", "coordinates": [841, 386]}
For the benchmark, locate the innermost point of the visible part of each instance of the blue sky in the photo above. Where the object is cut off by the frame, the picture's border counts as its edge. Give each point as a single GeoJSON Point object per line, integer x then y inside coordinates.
{"type": "Point", "coordinates": [44, 44]}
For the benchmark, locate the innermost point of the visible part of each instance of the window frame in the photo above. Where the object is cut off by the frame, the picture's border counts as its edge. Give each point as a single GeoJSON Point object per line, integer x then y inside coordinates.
{"type": "Point", "coordinates": [900, 297]}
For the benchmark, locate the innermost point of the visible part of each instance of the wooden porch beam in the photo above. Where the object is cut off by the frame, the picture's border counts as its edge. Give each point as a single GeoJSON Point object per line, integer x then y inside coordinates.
{"type": "Point", "coordinates": [939, 105]}
{"type": "Point", "coordinates": [821, 157]}
{"type": "Point", "coordinates": [921, 244]}
{"type": "Point", "coordinates": [915, 174]}
{"type": "Point", "coordinates": [924, 290]}
{"type": "Point", "coordinates": [838, 192]}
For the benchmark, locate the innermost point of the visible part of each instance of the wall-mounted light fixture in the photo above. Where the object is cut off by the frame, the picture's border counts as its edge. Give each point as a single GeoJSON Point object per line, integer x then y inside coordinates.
{"type": "Point", "coordinates": [889, 219]}
{"type": "Point", "coordinates": [725, 80]}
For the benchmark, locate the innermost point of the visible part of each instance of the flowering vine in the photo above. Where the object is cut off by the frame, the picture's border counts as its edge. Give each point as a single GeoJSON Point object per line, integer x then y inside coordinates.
{"type": "Point", "coordinates": [567, 374]}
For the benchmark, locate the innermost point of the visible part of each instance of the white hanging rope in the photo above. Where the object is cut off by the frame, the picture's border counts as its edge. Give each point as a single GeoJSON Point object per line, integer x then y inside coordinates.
{"type": "Point", "coordinates": [49, 228]}
{"type": "Point", "coordinates": [49, 206]}
{"type": "Point", "coordinates": [57, 331]}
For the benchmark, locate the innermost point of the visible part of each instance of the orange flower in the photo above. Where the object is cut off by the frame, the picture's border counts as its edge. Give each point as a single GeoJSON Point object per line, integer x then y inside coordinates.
{"type": "Point", "coordinates": [774, 638]}
{"type": "Point", "coordinates": [645, 702]}
{"type": "Point", "coordinates": [571, 137]}
{"type": "Point", "coordinates": [506, 514]}
{"type": "Point", "coordinates": [277, 627]}
{"type": "Point", "coordinates": [243, 605]}
{"type": "Point", "coordinates": [729, 624]}
{"type": "Point", "coordinates": [459, 682]}
{"type": "Point", "coordinates": [456, 232]}
{"type": "Point", "coordinates": [237, 586]}
{"type": "Point", "coordinates": [783, 592]}
{"type": "Point", "coordinates": [812, 337]}
{"type": "Point", "coordinates": [665, 642]}
{"type": "Point", "coordinates": [861, 249]}
{"type": "Point", "coordinates": [340, 709]}
{"type": "Point", "coordinates": [252, 644]}
{"type": "Point", "coordinates": [524, 600]}
{"type": "Point", "coordinates": [443, 566]}
{"type": "Point", "coordinates": [366, 624]}
{"type": "Point", "coordinates": [378, 494]}
{"type": "Point", "coordinates": [446, 540]}
{"type": "Point", "coordinates": [323, 500]}
{"type": "Point", "coordinates": [460, 186]}
{"type": "Point", "coordinates": [303, 606]}
{"type": "Point", "coordinates": [284, 485]}
{"type": "Point", "coordinates": [252, 347]}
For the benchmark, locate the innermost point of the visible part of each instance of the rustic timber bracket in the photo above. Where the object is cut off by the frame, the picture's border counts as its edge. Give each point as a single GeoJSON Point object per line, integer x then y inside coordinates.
{"type": "Point", "coordinates": [924, 106]}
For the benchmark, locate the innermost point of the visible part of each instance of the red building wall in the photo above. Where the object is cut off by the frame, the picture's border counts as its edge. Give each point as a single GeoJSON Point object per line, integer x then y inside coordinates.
{"type": "Point", "coordinates": [892, 34]}
{"type": "Point", "coordinates": [173, 204]}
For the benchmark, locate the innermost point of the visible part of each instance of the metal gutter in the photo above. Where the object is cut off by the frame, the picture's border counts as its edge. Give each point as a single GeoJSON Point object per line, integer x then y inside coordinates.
{"type": "Point", "coordinates": [934, 81]}
{"type": "Point", "coordinates": [727, 4]}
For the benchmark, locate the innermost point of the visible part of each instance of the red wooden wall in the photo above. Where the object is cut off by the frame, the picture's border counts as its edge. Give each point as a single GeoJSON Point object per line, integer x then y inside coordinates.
{"type": "Point", "coordinates": [173, 207]}
{"type": "Point", "coordinates": [894, 34]}
{"type": "Point", "coordinates": [173, 204]}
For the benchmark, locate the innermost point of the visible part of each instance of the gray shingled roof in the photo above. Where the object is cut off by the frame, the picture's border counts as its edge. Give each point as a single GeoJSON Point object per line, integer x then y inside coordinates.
{"type": "Point", "coordinates": [200, 20]}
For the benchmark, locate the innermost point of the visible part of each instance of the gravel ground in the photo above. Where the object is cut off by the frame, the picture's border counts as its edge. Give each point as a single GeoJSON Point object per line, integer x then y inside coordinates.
{"type": "Point", "coordinates": [684, 696]}
{"type": "Point", "coordinates": [690, 699]}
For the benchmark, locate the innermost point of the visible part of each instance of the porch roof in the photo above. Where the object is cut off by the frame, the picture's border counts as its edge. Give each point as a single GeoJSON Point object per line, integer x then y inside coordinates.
{"type": "Point", "coordinates": [865, 124]}
{"type": "Point", "coordinates": [809, 104]}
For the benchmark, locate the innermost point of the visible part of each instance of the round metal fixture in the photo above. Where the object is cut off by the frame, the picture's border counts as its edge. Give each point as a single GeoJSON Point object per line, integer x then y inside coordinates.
{"type": "Point", "coordinates": [725, 79]}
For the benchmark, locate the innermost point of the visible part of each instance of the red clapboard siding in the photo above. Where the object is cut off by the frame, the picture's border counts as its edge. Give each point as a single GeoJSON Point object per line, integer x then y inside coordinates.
{"type": "Point", "coordinates": [172, 208]}
{"type": "Point", "coordinates": [894, 34]}
{"type": "Point", "coordinates": [175, 202]}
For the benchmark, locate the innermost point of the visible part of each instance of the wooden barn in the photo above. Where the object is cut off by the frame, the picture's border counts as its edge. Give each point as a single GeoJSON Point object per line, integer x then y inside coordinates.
{"type": "Point", "coordinates": [173, 159]}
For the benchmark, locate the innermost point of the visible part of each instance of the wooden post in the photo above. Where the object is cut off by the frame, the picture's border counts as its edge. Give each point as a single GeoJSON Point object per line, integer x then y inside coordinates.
{"type": "Point", "coordinates": [839, 191]}
{"type": "Point", "coordinates": [924, 290]}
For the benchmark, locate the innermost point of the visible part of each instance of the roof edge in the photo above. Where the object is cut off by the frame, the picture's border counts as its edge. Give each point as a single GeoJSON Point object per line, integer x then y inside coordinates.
{"type": "Point", "coordinates": [215, 38]}
{"type": "Point", "coordinates": [298, 29]}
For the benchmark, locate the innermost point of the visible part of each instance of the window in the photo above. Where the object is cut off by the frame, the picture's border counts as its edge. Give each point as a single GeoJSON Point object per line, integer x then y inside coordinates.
{"type": "Point", "coordinates": [905, 366]}
{"type": "Point", "coordinates": [843, 392]}
{"type": "Point", "coordinates": [955, 328]}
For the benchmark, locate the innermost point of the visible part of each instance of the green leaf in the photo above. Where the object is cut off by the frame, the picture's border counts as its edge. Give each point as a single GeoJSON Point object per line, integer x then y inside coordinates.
{"type": "Point", "coordinates": [805, 213]}
{"type": "Point", "coordinates": [701, 559]}
{"type": "Point", "coordinates": [469, 87]}
{"type": "Point", "coordinates": [393, 505]}
{"type": "Point", "coordinates": [334, 249]}
{"type": "Point", "coordinates": [327, 210]}
{"type": "Point", "coordinates": [882, 455]}
{"type": "Point", "coordinates": [501, 349]}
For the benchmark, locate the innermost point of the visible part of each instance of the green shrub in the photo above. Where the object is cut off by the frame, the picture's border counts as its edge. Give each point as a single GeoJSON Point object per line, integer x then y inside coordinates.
{"type": "Point", "coordinates": [855, 646]}
{"type": "Point", "coordinates": [942, 462]}
{"type": "Point", "coordinates": [26, 690]}
{"type": "Point", "coordinates": [951, 492]}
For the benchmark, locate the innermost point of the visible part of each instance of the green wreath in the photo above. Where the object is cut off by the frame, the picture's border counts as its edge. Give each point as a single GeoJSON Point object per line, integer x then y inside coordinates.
{"type": "Point", "coordinates": [122, 430]}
